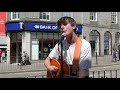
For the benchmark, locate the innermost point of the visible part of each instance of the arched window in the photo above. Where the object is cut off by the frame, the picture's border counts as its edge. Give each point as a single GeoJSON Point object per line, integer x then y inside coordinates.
{"type": "Point", "coordinates": [95, 42]}
{"type": "Point", "coordinates": [107, 43]}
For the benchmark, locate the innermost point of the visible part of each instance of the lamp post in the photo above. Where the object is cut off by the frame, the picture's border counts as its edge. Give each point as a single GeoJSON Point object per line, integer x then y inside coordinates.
{"type": "Point", "coordinates": [96, 58]}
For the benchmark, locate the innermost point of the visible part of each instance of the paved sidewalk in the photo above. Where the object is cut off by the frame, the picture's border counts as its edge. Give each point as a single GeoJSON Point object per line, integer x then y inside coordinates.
{"type": "Point", "coordinates": [104, 61]}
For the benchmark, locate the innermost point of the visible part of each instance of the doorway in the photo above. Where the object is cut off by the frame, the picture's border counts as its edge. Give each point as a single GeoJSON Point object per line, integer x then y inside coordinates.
{"type": "Point", "coordinates": [15, 47]}
{"type": "Point", "coordinates": [15, 52]}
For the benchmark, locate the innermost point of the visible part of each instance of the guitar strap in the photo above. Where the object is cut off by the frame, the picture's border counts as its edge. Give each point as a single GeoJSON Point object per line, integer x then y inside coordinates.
{"type": "Point", "coordinates": [76, 55]}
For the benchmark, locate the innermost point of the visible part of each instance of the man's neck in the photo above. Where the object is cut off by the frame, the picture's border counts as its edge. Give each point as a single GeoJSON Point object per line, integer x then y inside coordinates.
{"type": "Point", "coordinates": [72, 39]}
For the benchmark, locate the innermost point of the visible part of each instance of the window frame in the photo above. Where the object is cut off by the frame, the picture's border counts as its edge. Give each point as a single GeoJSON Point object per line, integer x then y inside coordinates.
{"type": "Point", "coordinates": [114, 17]}
{"type": "Point", "coordinates": [46, 13]}
{"type": "Point", "coordinates": [93, 16]}
{"type": "Point", "coordinates": [69, 14]}
{"type": "Point", "coordinates": [17, 15]}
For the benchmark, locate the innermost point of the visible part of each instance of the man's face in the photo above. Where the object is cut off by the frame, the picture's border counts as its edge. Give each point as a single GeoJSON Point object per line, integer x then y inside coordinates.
{"type": "Point", "coordinates": [67, 29]}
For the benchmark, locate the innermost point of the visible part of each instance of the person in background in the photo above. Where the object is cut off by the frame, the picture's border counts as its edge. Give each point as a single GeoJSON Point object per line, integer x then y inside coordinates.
{"type": "Point", "coordinates": [114, 53]}
{"type": "Point", "coordinates": [0, 55]}
{"type": "Point", "coordinates": [25, 58]}
{"type": "Point", "coordinates": [119, 51]}
{"type": "Point", "coordinates": [3, 56]}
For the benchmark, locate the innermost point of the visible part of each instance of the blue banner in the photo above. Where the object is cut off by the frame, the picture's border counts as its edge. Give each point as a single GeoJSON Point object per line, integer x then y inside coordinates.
{"type": "Point", "coordinates": [14, 26]}
{"type": "Point", "coordinates": [36, 27]}
{"type": "Point", "coordinates": [42, 27]}
{"type": "Point", "coordinates": [47, 27]}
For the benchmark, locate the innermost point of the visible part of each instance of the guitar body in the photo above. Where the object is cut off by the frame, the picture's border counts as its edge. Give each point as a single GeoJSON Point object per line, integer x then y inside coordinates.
{"type": "Point", "coordinates": [57, 63]}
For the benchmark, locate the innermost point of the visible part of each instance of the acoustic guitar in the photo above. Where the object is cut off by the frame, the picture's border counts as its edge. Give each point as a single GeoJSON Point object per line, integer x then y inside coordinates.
{"type": "Point", "coordinates": [68, 70]}
{"type": "Point", "coordinates": [56, 74]}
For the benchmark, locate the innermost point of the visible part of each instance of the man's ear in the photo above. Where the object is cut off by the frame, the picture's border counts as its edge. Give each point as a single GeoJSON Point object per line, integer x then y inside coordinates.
{"type": "Point", "coordinates": [74, 27]}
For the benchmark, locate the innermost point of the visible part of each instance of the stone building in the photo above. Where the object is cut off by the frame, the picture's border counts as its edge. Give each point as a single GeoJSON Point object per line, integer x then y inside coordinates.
{"type": "Point", "coordinates": [37, 33]}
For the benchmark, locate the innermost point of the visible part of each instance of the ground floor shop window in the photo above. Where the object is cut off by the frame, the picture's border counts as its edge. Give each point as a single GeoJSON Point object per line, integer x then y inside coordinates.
{"type": "Point", "coordinates": [35, 50]}
{"type": "Point", "coordinates": [43, 43]}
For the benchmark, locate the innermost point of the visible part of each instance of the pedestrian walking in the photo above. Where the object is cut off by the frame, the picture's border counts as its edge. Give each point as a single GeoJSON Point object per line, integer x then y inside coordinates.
{"type": "Point", "coordinates": [3, 56]}
{"type": "Point", "coordinates": [25, 59]}
{"type": "Point", "coordinates": [119, 51]}
{"type": "Point", "coordinates": [114, 54]}
{"type": "Point", "coordinates": [0, 55]}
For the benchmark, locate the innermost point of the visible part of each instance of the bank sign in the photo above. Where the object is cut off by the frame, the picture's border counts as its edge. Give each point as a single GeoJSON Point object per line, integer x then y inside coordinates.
{"type": "Point", "coordinates": [36, 27]}
{"type": "Point", "coordinates": [47, 27]}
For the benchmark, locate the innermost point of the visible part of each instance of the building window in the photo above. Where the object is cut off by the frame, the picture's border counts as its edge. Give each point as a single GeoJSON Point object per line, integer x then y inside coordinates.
{"type": "Point", "coordinates": [93, 16]}
{"type": "Point", "coordinates": [69, 14]}
{"type": "Point", "coordinates": [114, 17]}
{"type": "Point", "coordinates": [42, 44]}
{"type": "Point", "coordinates": [45, 16]}
{"type": "Point", "coordinates": [15, 15]}
{"type": "Point", "coordinates": [95, 42]}
{"type": "Point", "coordinates": [107, 43]}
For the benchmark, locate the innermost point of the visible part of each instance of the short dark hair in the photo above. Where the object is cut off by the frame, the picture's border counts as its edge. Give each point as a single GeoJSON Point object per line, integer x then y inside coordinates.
{"type": "Point", "coordinates": [65, 20]}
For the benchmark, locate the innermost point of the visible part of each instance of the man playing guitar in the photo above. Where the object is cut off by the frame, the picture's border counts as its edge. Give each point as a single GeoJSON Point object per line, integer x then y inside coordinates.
{"type": "Point", "coordinates": [67, 25]}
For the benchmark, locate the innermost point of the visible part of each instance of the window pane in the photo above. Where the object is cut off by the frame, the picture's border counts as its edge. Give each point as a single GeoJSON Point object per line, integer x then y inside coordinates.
{"type": "Point", "coordinates": [15, 15]}
{"type": "Point", "coordinates": [45, 35]}
{"type": "Point", "coordinates": [50, 35]}
{"type": "Point", "coordinates": [13, 37]}
{"type": "Point", "coordinates": [39, 34]}
{"type": "Point", "coordinates": [69, 14]}
{"type": "Point", "coordinates": [35, 49]}
{"type": "Point", "coordinates": [33, 35]}
{"type": "Point", "coordinates": [93, 16]}
{"type": "Point", "coordinates": [114, 17]}
{"type": "Point", "coordinates": [19, 36]}
{"type": "Point", "coordinates": [45, 15]}
{"type": "Point", "coordinates": [56, 35]}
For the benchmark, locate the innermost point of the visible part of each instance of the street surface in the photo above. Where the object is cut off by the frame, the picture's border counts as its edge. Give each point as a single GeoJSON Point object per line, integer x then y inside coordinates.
{"type": "Point", "coordinates": [103, 68]}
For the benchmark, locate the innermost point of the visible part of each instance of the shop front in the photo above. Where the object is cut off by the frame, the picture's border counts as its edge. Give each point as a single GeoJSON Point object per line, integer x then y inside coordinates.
{"type": "Point", "coordinates": [36, 38]}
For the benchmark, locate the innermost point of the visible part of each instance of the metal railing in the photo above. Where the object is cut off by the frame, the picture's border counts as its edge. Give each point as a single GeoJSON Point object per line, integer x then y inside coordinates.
{"type": "Point", "coordinates": [38, 65]}
{"type": "Point", "coordinates": [105, 74]}
{"type": "Point", "coordinates": [93, 74]}
{"type": "Point", "coordinates": [17, 67]}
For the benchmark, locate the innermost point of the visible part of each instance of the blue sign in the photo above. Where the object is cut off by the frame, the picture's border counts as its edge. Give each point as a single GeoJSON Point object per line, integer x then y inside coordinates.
{"type": "Point", "coordinates": [42, 27]}
{"type": "Point", "coordinates": [14, 26]}
{"type": "Point", "coordinates": [79, 29]}
{"type": "Point", "coordinates": [47, 27]}
{"type": "Point", "coordinates": [36, 27]}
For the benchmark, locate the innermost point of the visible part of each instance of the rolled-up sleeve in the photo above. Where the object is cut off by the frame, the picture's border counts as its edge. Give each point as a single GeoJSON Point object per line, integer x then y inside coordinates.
{"type": "Point", "coordinates": [54, 53]}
